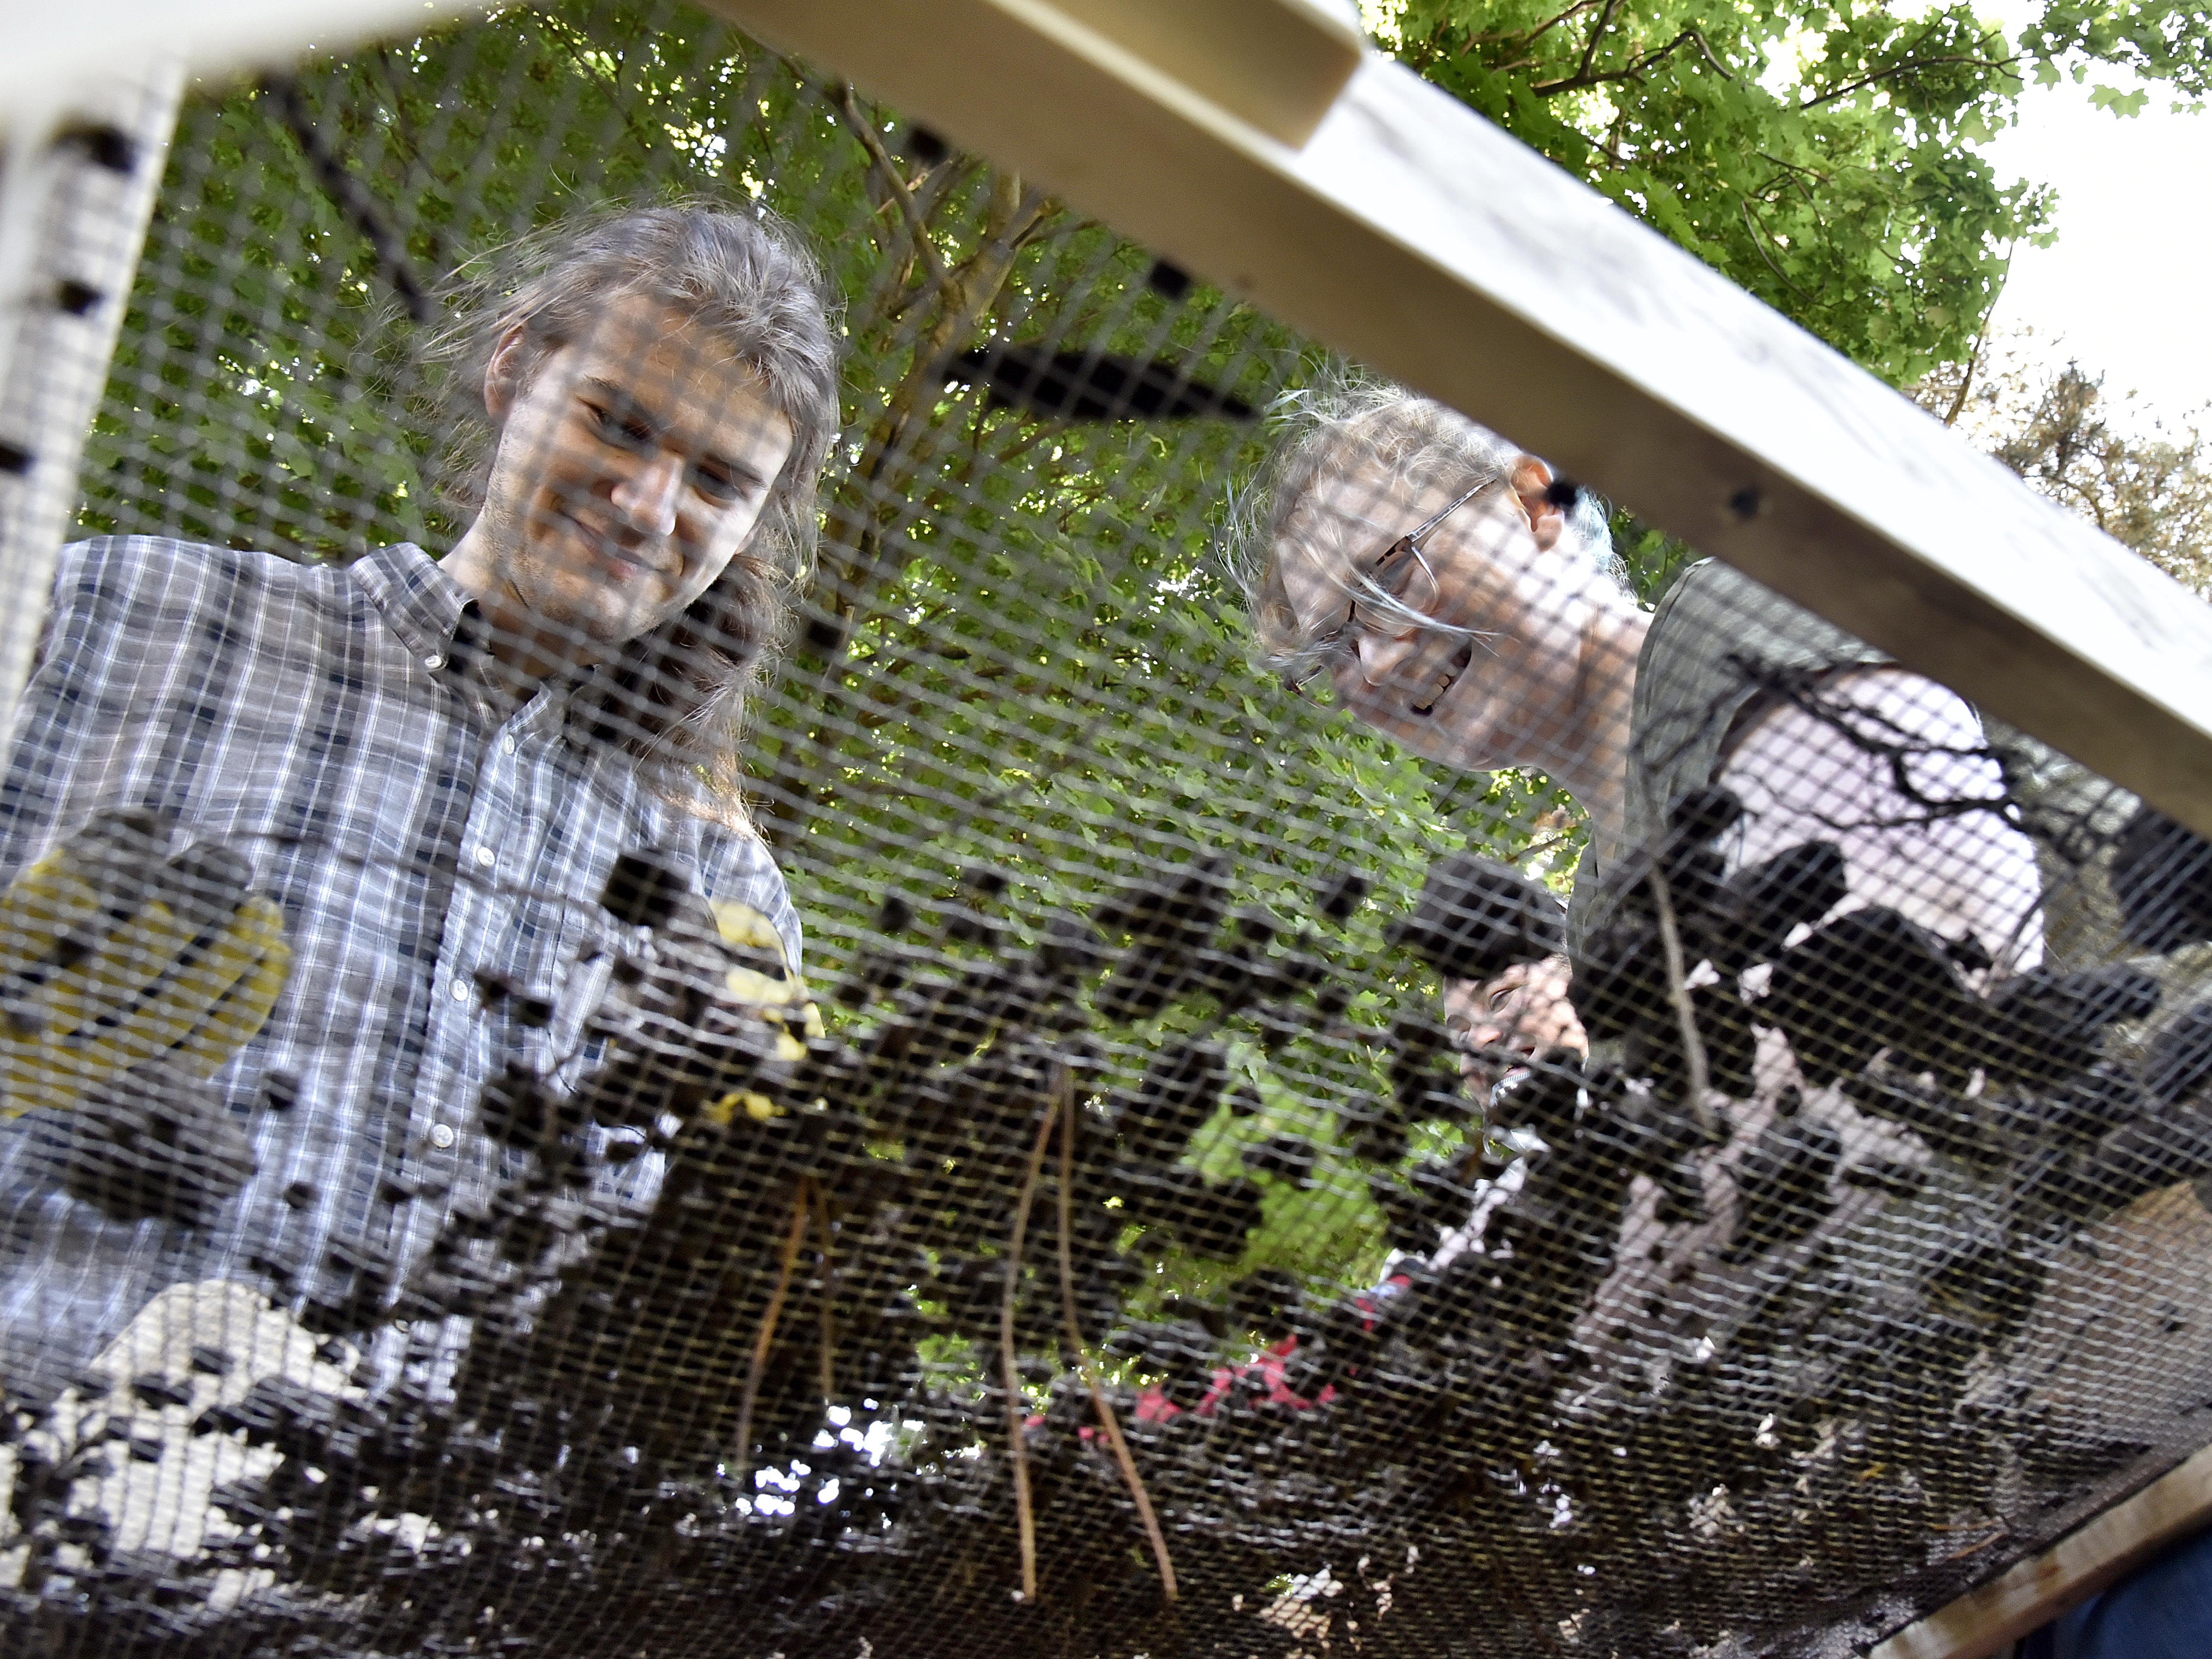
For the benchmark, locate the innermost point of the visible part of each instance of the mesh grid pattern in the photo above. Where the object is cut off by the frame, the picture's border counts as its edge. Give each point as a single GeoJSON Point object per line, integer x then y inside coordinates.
{"type": "Point", "coordinates": [1688, 1152]}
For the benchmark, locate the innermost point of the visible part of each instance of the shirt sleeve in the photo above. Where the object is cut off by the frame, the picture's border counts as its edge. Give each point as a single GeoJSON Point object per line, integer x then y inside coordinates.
{"type": "Point", "coordinates": [58, 722]}
{"type": "Point", "coordinates": [1718, 644]}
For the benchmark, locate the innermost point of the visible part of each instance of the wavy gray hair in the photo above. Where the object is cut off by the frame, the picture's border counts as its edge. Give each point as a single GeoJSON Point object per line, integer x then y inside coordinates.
{"type": "Point", "coordinates": [676, 697]}
{"type": "Point", "coordinates": [1343, 421]}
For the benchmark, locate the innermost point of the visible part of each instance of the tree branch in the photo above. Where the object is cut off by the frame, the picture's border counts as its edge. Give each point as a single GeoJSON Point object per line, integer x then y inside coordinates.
{"type": "Point", "coordinates": [1905, 68]}
{"type": "Point", "coordinates": [1759, 242]}
{"type": "Point", "coordinates": [1678, 992]}
{"type": "Point", "coordinates": [1597, 36]}
{"type": "Point", "coordinates": [1111, 1425]}
{"type": "Point", "coordinates": [1016, 1406]}
{"type": "Point", "coordinates": [1582, 78]}
{"type": "Point", "coordinates": [917, 229]}
{"type": "Point", "coordinates": [764, 1338]}
{"type": "Point", "coordinates": [1516, 42]}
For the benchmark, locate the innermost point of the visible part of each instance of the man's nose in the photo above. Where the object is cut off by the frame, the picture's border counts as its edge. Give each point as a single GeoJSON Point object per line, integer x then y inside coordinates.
{"type": "Point", "coordinates": [647, 496]}
{"type": "Point", "coordinates": [1382, 656]}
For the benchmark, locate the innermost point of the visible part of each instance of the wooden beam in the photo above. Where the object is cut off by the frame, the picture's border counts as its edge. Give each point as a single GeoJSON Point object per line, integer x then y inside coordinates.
{"type": "Point", "coordinates": [1278, 64]}
{"type": "Point", "coordinates": [1414, 235]}
{"type": "Point", "coordinates": [73, 217]}
{"type": "Point", "coordinates": [57, 53]}
{"type": "Point", "coordinates": [2033, 1592]}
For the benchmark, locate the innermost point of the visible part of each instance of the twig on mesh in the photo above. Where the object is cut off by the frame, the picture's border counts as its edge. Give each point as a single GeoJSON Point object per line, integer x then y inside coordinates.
{"type": "Point", "coordinates": [1678, 992]}
{"type": "Point", "coordinates": [1107, 1420]}
{"type": "Point", "coordinates": [764, 1339]}
{"type": "Point", "coordinates": [351, 197]}
{"type": "Point", "coordinates": [857, 123]}
{"type": "Point", "coordinates": [1862, 728]}
{"type": "Point", "coordinates": [829, 1311]}
{"type": "Point", "coordinates": [1017, 1417]}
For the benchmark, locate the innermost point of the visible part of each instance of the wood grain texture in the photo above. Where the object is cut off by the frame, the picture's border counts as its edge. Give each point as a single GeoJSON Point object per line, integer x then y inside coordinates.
{"type": "Point", "coordinates": [1414, 235]}
{"type": "Point", "coordinates": [1279, 64]}
{"type": "Point", "coordinates": [2032, 1593]}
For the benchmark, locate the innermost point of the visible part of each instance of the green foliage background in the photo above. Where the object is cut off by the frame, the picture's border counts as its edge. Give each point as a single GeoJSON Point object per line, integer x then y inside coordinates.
{"type": "Point", "coordinates": [1024, 653]}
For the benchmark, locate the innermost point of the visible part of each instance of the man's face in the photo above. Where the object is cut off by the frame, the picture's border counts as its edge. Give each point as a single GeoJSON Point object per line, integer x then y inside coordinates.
{"type": "Point", "coordinates": [1525, 1011]}
{"type": "Point", "coordinates": [632, 466]}
{"type": "Point", "coordinates": [1496, 685]}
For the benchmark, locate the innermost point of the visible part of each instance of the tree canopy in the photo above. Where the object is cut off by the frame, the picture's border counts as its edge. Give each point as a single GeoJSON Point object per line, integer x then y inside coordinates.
{"type": "Point", "coordinates": [1824, 156]}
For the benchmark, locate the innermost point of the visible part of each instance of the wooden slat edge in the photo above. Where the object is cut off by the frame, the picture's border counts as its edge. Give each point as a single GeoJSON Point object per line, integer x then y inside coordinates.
{"type": "Point", "coordinates": [1414, 235]}
{"type": "Point", "coordinates": [1279, 64]}
{"type": "Point", "coordinates": [67, 46]}
{"type": "Point", "coordinates": [2032, 1593]}
{"type": "Point", "coordinates": [86, 223]}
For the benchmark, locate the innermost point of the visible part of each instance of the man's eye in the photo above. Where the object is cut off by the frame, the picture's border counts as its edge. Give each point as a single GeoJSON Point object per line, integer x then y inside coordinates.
{"type": "Point", "coordinates": [715, 486]}
{"type": "Point", "coordinates": [627, 431]}
{"type": "Point", "coordinates": [1499, 999]}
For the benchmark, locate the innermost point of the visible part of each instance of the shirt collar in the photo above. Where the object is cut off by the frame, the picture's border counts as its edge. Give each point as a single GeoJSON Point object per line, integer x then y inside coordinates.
{"type": "Point", "coordinates": [419, 602]}
{"type": "Point", "coordinates": [440, 624]}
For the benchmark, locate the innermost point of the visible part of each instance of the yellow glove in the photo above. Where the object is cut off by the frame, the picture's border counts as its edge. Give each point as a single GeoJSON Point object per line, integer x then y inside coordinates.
{"type": "Point", "coordinates": [111, 958]}
{"type": "Point", "coordinates": [760, 979]}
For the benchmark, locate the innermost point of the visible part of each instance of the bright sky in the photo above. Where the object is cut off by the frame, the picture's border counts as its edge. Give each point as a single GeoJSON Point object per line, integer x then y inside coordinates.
{"type": "Point", "coordinates": [2124, 289]}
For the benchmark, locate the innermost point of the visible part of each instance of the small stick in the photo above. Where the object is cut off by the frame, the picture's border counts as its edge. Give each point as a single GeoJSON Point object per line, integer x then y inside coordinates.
{"type": "Point", "coordinates": [765, 1339]}
{"type": "Point", "coordinates": [1016, 1414]}
{"type": "Point", "coordinates": [829, 1312]}
{"type": "Point", "coordinates": [1678, 992]}
{"type": "Point", "coordinates": [1107, 1420]}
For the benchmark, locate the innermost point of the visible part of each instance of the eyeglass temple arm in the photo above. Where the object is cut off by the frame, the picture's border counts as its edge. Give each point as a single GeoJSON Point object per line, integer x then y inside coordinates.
{"type": "Point", "coordinates": [1428, 525]}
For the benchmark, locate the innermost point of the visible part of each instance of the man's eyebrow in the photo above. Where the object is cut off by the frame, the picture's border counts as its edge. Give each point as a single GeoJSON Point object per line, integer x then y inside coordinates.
{"type": "Point", "coordinates": [628, 403]}
{"type": "Point", "coordinates": [736, 471]}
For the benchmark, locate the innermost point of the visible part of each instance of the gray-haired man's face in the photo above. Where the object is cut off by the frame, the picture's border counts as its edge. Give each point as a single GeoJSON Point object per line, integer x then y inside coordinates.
{"type": "Point", "coordinates": [632, 466]}
{"type": "Point", "coordinates": [1494, 683]}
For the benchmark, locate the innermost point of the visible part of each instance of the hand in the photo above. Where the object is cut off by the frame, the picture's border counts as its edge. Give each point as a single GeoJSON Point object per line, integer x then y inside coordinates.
{"type": "Point", "coordinates": [760, 980]}
{"type": "Point", "coordinates": [716, 984]}
{"type": "Point", "coordinates": [113, 958]}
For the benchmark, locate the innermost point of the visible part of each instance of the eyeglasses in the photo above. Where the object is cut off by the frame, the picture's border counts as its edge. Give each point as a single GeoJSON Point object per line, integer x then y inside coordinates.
{"type": "Point", "coordinates": [1402, 578]}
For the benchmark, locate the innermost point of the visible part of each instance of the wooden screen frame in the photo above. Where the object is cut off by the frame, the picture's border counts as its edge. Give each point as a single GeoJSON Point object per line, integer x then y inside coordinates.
{"type": "Point", "coordinates": [1412, 234]}
{"type": "Point", "coordinates": [1408, 233]}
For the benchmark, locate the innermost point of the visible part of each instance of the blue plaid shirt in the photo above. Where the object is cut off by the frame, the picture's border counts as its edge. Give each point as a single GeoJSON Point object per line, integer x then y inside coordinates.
{"type": "Point", "coordinates": [322, 722]}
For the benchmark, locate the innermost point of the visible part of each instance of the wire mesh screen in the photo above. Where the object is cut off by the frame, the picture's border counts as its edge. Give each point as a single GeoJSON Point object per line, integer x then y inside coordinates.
{"type": "Point", "coordinates": [1213, 1029]}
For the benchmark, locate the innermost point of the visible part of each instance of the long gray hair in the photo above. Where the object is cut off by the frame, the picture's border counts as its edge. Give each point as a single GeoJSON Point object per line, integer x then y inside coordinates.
{"type": "Point", "coordinates": [1343, 421]}
{"type": "Point", "coordinates": [675, 697]}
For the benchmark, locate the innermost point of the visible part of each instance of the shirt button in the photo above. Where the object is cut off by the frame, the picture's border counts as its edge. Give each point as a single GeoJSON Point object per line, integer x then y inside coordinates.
{"type": "Point", "coordinates": [434, 661]}
{"type": "Point", "coordinates": [507, 745]}
{"type": "Point", "coordinates": [485, 857]}
{"type": "Point", "coordinates": [460, 990]}
{"type": "Point", "coordinates": [442, 1136]}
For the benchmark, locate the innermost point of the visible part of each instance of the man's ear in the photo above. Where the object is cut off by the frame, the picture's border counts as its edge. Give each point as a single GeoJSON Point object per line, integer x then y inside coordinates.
{"type": "Point", "coordinates": [1532, 485]}
{"type": "Point", "coordinates": [505, 376]}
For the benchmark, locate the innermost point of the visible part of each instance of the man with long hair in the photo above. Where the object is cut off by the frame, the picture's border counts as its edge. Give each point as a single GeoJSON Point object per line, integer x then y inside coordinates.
{"type": "Point", "coordinates": [431, 766]}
